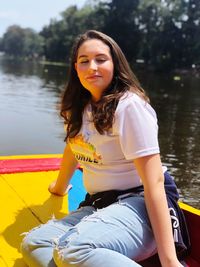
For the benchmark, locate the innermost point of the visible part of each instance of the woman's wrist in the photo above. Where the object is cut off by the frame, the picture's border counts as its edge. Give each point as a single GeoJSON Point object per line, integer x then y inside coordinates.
{"type": "Point", "coordinates": [172, 262]}
{"type": "Point", "coordinates": [57, 189]}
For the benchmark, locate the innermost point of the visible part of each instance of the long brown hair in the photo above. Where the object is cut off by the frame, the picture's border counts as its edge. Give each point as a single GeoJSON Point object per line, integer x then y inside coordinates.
{"type": "Point", "coordinates": [76, 97]}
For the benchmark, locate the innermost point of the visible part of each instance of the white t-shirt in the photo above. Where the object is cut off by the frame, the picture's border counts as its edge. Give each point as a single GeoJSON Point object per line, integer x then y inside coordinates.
{"type": "Point", "coordinates": [107, 160]}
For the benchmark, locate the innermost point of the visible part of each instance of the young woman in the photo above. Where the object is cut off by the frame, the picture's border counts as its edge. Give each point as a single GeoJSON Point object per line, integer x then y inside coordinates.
{"type": "Point", "coordinates": [112, 131]}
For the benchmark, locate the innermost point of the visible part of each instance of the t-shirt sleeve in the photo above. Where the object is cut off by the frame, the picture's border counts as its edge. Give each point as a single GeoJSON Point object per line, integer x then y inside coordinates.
{"type": "Point", "coordinates": [136, 125]}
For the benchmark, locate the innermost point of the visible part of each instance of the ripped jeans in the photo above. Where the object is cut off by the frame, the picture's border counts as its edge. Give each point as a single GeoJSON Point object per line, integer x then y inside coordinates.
{"type": "Point", "coordinates": [116, 236]}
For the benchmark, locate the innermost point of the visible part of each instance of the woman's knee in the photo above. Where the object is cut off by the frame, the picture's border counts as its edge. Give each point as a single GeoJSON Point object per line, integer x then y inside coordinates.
{"type": "Point", "coordinates": [38, 237]}
{"type": "Point", "coordinates": [29, 242]}
{"type": "Point", "coordinates": [74, 254]}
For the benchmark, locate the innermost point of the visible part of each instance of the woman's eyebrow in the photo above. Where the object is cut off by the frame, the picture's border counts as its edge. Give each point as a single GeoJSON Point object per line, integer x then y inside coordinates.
{"type": "Point", "coordinates": [82, 56]}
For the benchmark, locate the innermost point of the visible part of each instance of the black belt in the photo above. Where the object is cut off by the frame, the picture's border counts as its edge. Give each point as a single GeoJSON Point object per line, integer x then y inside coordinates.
{"type": "Point", "coordinates": [105, 198]}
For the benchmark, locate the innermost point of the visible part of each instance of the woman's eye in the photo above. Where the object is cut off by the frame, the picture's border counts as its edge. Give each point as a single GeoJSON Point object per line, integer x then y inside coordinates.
{"type": "Point", "coordinates": [83, 61]}
{"type": "Point", "coordinates": [100, 60]}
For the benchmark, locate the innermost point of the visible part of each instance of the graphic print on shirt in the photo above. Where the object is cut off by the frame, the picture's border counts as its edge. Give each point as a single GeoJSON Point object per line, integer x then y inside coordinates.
{"type": "Point", "coordinates": [83, 150]}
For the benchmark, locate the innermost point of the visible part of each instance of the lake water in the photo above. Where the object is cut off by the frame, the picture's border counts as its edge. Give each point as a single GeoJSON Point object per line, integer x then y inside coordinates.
{"type": "Point", "coordinates": [30, 122]}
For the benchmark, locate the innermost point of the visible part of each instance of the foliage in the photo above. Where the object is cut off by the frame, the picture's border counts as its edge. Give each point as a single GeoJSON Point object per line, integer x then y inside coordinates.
{"type": "Point", "coordinates": [120, 23]}
{"type": "Point", "coordinates": [19, 42]}
{"type": "Point", "coordinates": [164, 34]}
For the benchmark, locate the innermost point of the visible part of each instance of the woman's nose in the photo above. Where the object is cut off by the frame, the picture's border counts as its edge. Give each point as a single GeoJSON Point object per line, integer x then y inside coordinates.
{"type": "Point", "coordinates": [93, 65]}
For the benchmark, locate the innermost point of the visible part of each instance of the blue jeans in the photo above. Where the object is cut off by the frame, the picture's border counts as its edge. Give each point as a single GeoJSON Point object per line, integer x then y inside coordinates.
{"type": "Point", "coordinates": [115, 236]}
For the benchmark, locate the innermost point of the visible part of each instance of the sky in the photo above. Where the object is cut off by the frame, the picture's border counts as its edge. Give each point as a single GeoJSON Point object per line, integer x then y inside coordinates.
{"type": "Point", "coordinates": [32, 13]}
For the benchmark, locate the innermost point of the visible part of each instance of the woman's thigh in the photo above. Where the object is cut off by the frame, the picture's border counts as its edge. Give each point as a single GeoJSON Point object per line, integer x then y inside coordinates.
{"type": "Point", "coordinates": [44, 234]}
{"type": "Point", "coordinates": [123, 227]}
{"type": "Point", "coordinates": [37, 246]}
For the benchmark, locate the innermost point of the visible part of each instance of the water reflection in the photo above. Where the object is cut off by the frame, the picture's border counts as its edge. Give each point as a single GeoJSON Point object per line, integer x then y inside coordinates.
{"type": "Point", "coordinates": [30, 123]}
{"type": "Point", "coordinates": [28, 109]}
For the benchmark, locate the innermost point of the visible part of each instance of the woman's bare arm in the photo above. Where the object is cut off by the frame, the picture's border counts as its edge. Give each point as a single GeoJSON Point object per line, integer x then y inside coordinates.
{"type": "Point", "coordinates": [68, 165]}
{"type": "Point", "coordinates": [150, 171]}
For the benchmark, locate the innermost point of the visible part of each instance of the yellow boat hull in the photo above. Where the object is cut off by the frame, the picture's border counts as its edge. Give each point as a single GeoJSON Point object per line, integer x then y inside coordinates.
{"type": "Point", "coordinates": [26, 202]}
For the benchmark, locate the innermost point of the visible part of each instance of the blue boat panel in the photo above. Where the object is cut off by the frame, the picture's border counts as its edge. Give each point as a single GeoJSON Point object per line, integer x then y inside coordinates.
{"type": "Point", "coordinates": [77, 193]}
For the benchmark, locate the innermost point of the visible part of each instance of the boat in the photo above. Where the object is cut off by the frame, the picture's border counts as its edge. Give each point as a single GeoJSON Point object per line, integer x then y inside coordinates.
{"type": "Point", "coordinates": [26, 203]}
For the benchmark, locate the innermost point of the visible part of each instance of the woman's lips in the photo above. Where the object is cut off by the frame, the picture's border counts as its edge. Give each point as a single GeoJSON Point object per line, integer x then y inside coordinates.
{"type": "Point", "coordinates": [93, 77]}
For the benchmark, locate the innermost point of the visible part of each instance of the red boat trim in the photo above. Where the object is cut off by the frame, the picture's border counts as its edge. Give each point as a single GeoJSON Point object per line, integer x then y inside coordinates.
{"type": "Point", "coordinates": [29, 165]}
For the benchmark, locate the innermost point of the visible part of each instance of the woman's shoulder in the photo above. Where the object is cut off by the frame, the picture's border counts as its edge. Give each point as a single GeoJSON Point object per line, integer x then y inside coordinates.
{"type": "Point", "coordinates": [132, 102]}
{"type": "Point", "coordinates": [129, 98]}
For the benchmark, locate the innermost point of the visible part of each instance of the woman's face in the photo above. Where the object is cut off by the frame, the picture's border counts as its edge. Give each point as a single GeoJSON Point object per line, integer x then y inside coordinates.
{"type": "Point", "coordinates": [94, 67]}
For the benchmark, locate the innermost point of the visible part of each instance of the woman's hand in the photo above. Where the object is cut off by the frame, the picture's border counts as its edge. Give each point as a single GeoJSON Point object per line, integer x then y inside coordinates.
{"type": "Point", "coordinates": [174, 263]}
{"type": "Point", "coordinates": [55, 189]}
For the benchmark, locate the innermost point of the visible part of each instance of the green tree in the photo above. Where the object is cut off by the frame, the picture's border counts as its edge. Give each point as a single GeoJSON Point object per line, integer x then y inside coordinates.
{"type": "Point", "coordinates": [19, 42]}
{"type": "Point", "coordinates": [161, 29]}
{"type": "Point", "coordinates": [191, 33]}
{"type": "Point", "coordinates": [13, 41]}
{"type": "Point", "coordinates": [59, 35]}
{"type": "Point", "coordinates": [1, 44]}
{"type": "Point", "coordinates": [121, 24]}
{"type": "Point", "coordinates": [164, 33]}
{"type": "Point", "coordinates": [33, 43]}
